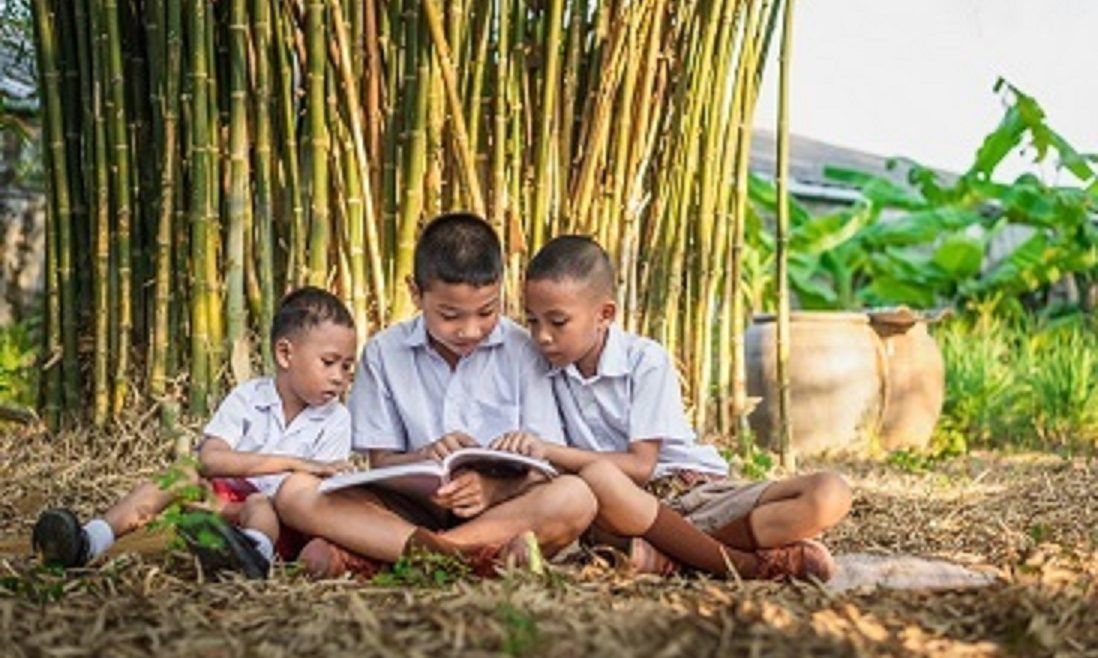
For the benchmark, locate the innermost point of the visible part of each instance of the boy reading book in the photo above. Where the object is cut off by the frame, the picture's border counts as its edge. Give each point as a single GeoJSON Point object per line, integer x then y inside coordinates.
{"type": "Point", "coordinates": [423, 478]}
{"type": "Point", "coordinates": [456, 375]}
{"type": "Point", "coordinates": [265, 429]}
{"type": "Point", "coordinates": [628, 439]}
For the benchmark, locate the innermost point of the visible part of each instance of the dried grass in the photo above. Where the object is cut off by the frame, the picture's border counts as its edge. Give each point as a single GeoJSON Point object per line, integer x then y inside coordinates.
{"type": "Point", "coordinates": [1031, 518]}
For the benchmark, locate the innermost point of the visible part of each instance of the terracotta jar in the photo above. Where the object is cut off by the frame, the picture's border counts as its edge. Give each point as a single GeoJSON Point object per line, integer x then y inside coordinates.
{"type": "Point", "coordinates": [915, 377]}
{"type": "Point", "coordinates": [837, 380]}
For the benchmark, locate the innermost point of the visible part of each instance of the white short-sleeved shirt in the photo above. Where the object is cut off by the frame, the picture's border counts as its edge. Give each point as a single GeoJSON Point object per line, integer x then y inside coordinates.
{"type": "Point", "coordinates": [406, 396]}
{"type": "Point", "coordinates": [633, 396]}
{"type": "Point", "coordinates": [250, 419]}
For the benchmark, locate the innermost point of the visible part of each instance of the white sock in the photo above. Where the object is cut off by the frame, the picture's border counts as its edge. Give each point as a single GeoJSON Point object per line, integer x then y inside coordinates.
{"type": "Point", "coordinates": [262, 542]}
{"type": "Point", "coordinates": [100, 537]}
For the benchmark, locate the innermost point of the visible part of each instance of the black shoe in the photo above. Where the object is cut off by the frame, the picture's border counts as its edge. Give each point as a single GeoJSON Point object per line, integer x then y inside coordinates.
{"type": "Point", "coordinates": [220, 546]}
{"type": "Point", "coordinates": [60, 540]}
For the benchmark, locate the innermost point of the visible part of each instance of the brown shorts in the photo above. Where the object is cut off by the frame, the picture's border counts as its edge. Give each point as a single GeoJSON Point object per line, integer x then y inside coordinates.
{"type": "Point", "coordinates": [706, 500]}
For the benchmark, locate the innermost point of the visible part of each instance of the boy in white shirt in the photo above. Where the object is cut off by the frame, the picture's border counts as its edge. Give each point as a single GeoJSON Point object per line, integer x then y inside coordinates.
{"type": "Point", "coordinates": [456, 375]}
{"type": "Point", "coordinates": [622, 411]}
{"type": "Point", "coordinates": [265, 429]}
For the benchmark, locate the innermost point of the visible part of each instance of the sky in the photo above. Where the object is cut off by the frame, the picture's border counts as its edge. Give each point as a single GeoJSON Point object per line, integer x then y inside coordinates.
{"type": "Point", "coordinates": [915, 77]}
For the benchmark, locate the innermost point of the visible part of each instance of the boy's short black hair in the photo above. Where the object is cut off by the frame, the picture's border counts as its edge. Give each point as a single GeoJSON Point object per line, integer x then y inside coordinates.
{"type": "Point", "coordinates": [306, 308]}
{"type": "Point", "coordinates": [458, 248]}
{"type": "Point", "coordinates": [576, 257]}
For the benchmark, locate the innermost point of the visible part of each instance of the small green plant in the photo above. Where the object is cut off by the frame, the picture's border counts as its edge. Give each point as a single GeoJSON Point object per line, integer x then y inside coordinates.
{"type": "Point", "coordinates": [910, 461]}
{"type": "Point", "coordinates": [187, 513]}
{"type": "Point", "coordinates": [424, 569]}
{"type": "Point", "coordinates": [40, 584]}
{"type": "Point", "coordinates": [18, 374]}
{"type": "Point", "coordinates": [520, 629]}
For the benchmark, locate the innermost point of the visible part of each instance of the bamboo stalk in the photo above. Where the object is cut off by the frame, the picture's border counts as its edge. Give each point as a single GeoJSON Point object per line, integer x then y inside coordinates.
{"type": "Point", "coordinates": [168, 160]}
{"type": "Point", "coordinates": [319, 232]}
{"type": "Point", "coordinates": [738, 311]}
{"type": "Point", "coordinates": [785, 430]}
{"type": "Point", "coordinates": [199, 211]}
{"type": "Point", "coordinates": [238, 197]}
{"type": "Point", "coordinates": [414, 155]}
{"type": "Point", "coordinates": [543, 210]}
{"type": "Point", "coordinates": [468, 168]}
{"type": "Point", "coordinates": [57, 208]}
{"type": "Point", "coordinates": [120, 192]}
{"type": "Point", "coordinates": [264, 202]}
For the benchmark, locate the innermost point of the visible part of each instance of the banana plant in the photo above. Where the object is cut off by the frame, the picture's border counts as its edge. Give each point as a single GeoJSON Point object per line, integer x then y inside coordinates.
{"type": "Point", "coordinates": [927, 244]}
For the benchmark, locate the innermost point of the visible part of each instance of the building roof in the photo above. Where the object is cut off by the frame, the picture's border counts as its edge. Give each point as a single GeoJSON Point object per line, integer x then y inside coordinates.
{"type": "Point", "coordinates": [808, 157]}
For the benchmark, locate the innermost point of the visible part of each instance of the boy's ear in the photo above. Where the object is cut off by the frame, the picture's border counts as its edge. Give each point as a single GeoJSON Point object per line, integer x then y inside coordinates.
{"type": "Point", "coordinates": [608, 311]}
{"type": "Point", "coordinates": [283, 350]}
{"type": "Point", "coordinates": [414, 291]}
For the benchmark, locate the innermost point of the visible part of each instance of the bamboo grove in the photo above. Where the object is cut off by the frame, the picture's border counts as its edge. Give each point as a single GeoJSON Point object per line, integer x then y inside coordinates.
{"type": "Point", "coordinates": [204, 157]}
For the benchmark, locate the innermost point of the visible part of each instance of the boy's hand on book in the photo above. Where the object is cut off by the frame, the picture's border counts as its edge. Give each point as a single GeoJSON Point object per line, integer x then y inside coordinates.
{"type": "Point", "coordinates": [449, 443]}
{"type": "Point", "coordinates": [522, 443]}
{"type": "Point", "coordinates": [467, 494]}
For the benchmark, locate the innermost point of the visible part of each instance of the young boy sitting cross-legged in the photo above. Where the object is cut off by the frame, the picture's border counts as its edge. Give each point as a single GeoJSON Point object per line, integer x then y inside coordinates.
{"type": "Point", "coordinates": [265, 429]}
{"type": "Point", "coordinates": [455, 375]}
{"type": "Point", "coordinates": [622, 410]}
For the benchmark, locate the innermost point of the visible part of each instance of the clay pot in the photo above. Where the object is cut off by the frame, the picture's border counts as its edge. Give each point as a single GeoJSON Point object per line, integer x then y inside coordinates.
{"type": "Point", "coordinates": [837, 374]}
{"type": "Point", "coordinates": [915, 378]}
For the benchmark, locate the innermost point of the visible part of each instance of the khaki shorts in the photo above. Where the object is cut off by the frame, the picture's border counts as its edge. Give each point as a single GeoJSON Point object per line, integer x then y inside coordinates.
{"type": "Point", "coordinates": [714, 502]}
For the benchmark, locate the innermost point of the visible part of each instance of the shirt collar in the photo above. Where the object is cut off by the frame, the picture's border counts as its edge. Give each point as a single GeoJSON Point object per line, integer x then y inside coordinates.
{"type": "Point", "coordinates": [417, 334]}
{"type": "Point", "coordinates": [613, 362]}
{"type": "Point", "coordinates": [266, 399]}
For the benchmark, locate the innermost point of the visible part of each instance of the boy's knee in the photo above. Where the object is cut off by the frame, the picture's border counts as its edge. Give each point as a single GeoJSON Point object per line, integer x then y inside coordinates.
{"type": "Point", "coordinates": [574, 500]}
{"type": "Point", "coordinates": [294, 493]}
{"type": "Point", "coordinates": [600, 475]}
{"type": "Point", "coordinates": [830, 497]}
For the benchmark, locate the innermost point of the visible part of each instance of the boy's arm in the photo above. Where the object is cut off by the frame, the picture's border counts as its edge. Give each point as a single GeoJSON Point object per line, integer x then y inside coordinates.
{"type": "Point", "coordinates": [438, 451]}
{"type": "Point", "coordinates": [216, 458]}
{"type": "Point", "coordinates": [638, 463]}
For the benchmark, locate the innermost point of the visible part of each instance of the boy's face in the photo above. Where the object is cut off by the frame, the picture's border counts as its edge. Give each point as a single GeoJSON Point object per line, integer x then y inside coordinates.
{"type": "Point", "coordinates": [317, 363]}
{"type": "Point", "coordinates": [458, 316]}
{"type": "Point", "coordinates": [568, 320]}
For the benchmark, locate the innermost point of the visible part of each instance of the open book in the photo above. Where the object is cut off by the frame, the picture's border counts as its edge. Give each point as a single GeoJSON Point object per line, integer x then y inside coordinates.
{"type": "Point", "coordinates": [422, 479]}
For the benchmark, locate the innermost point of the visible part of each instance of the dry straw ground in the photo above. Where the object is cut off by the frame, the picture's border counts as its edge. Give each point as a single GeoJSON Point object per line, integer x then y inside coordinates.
{"type": "Point", "coordinates": [1033, 519]}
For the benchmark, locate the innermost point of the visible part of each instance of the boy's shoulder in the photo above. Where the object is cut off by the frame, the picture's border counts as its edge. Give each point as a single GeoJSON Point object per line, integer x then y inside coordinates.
{"type": "Point", "coordinates": [257, 390]}
{"type": "Point", "coordinates": [635, 353]}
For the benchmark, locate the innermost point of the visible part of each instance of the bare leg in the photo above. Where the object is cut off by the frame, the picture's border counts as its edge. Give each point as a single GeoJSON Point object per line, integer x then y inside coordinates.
{"type": "Point", "coordinates": [352, 518]}
{"type": "Point", "coordinates": [137, 508]}
{"type": "Point", "coordinates": [798, 508]}
{"type": "Point", "coordinates": [258, 513]}
{"type": "Point", "coordinates": [556, 511]}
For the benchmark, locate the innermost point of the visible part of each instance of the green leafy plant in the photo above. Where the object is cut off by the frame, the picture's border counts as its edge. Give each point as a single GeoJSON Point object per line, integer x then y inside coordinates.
{"type": "Point", "coordinates": [40, 584]}
{"type": "Point", "coordinates": [1019, 380]}
{"type": "Point", "coordinates": [928, 244]}
{"type": "Point", "coordinates": [520, 629]}
{"type": "Point", "coordinates": [424, 569]}
{"type": "Point", "coordinates": [186, 513]}
{"type": "Point", "coordinates": [18, 375]}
